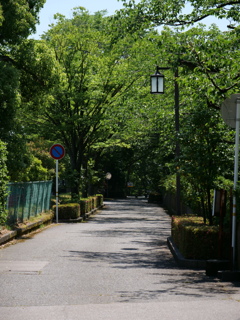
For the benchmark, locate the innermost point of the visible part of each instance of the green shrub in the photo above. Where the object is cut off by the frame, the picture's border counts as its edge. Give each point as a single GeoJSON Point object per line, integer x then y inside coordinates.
{"type": "Point", "coordinates": [94, 202]}
{"type": "Point", "coordinates": [99, 200]}
{"type": "Point", "coordinates": [65, 198]}
{"type": "Point", "coordinates": [85, 205]}
{"type": "Point", "coordinates": [195, 240]}
{"type": "Point", "coordinates": [68, 211]}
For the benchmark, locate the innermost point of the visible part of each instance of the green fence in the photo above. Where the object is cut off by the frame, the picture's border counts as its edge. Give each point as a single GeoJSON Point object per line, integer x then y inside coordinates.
{"type": "Point", "coordinates": [27, 199]}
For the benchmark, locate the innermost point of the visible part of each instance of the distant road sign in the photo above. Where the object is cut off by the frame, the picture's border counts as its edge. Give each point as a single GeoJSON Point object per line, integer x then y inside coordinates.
{"type": "Point", "coordinates": [228, 110]}
{"type": "Point", "coordinates": [57, 151]}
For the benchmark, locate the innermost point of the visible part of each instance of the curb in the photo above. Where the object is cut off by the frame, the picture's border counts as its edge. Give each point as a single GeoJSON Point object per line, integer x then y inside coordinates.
{"type": "Point", "coordinates": [181, 261]}
{"type": "Point", "coordinates": [8, 237]}
{"type": "Point", "coordinates": [30, 227]}
{"type": "Point", "coordinates": [214, 268]}
{"type": "Point", "coordinates": [77, 220]}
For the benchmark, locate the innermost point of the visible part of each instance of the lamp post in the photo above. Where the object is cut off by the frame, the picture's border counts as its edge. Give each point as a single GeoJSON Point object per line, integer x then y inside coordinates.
{"type": "Point", "coordinates": [157, 87]}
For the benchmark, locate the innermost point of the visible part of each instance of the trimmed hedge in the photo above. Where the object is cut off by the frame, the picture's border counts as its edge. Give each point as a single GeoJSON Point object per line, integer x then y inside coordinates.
{"type": "Point", "coordinates": [85, 206]}
{"type": "Point", "coordinates": [99, 200]}
{"type": "Point", "coordinates": [68, 211]}
{"type": "Point", "coordinates": [195, 240]}
{"type": "Point", "coordinates": [91, 203]}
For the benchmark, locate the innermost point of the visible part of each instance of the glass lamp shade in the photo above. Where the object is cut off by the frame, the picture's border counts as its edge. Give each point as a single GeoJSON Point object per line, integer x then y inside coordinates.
{"type": "Point", "coordinates": [157, 83]}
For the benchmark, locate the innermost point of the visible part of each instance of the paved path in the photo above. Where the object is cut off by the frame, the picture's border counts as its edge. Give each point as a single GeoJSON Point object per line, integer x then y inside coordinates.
{"type": "Point", "coordinates": [116, 266]}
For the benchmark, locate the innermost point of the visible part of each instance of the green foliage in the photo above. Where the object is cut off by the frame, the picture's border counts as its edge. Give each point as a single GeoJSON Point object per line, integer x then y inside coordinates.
{"type": "Point", "coordinates": [99, 200]}
{"type": "Point", "coordinates": [68, 211]}
{"type": "Point", "coordinates": [206, 144]}
{"type": "Point", "coordinates": [39, 72]}
{"type": "Point", "coordinates": [30, 161]}
{"type": "Point", "coordinates": [170, 12]}
{"type": "Point", "coordinates": [195, 240]}
{"type": "Point", "coordinates": [83, 104]}
{"type": "Point", "coordinates": [3, 183]}
{"type": "Point", "coordinates": [204, 155]}
{"type": "Point", "coordinates": [17, 22]}
{"type": "Point", "coordinates": [18, 19]}
{"type": "Point", "coordinates": [88, 88]}
{"type": "Point", "coordinates": [9, 98]}
{"type": "Point", "coordinates": [64, 198]}
{"type": "Point", "coordinates": [86, 206]}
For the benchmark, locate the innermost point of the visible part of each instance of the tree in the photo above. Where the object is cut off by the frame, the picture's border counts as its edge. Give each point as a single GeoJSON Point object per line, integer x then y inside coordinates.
{"type": "Point", "coordinates": [18, 19]}
{"type": "Point", "coordinates": [174, 13]}
{"type": "Point", "coordinates": [83, 107]}
{"type": "Point", "coordinates": [9, 98]}
{"type": "Point", "coordinates": [17, 22]}
{"type": "Point", "coordinates": [28, 77]}
{"type": "Point", "coordinates": [205, 156]}
{"type": "Point", "coordinates": [205, 80]}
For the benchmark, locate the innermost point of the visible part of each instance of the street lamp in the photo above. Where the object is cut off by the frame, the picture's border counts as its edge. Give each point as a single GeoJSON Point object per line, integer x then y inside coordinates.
{"type": "Point", "coordinates": [157, 82]}
{"type": "Point", "coordinates": [157, 87]}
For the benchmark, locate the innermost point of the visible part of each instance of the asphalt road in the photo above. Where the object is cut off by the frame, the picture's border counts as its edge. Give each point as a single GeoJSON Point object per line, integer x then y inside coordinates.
{"type": "Point", "coordinates": [116, 266]}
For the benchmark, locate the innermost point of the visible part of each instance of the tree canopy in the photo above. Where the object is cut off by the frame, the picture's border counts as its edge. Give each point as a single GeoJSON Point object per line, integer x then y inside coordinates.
{"type": "Point", "coordinates": [18, 19]}
{"type": "Point", "coordinates": [180, 13]}
{"type": "Point", "coordinates": [85, 84]}
{"type": "Point", "coordinates": [90, 72]}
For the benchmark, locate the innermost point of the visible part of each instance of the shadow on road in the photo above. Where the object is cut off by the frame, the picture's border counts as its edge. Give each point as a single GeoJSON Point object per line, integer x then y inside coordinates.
{"type": "Point", "coordinates": [142, 230]}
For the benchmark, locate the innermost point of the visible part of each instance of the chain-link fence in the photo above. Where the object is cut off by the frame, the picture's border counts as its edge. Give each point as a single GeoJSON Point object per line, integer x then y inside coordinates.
{"type": "Point", "coordinates": [27, 199]}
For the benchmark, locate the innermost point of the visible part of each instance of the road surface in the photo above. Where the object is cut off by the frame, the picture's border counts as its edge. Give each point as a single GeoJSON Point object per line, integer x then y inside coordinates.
{"type": "Point", "coordinates": [116, 266]}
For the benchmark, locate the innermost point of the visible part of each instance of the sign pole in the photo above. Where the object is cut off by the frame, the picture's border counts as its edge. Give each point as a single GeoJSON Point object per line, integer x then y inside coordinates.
{"type": "Point", "coordinates": [57, 152]}
{"type": "Point", "coordinates": [56, 191]}
{"type": "Point", "coordinates": [234, 214]}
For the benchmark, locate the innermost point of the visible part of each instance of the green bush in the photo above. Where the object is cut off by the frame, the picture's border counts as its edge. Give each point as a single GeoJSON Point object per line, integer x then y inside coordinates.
{"type": "Point", "coordinates": [65, 198]}
{"type": "Point", "coordinates": [85, 205]}
{"type": "Point", "coordinates": [66, 208]}
{"type": "Point", "coordinates": [68, 211]}
{"type": "Point", "coordinates": [195, 240]}
{"type": "Point", "coordinates": [94, 202]}
{"type": "Point", "coordinates": [99, 200]}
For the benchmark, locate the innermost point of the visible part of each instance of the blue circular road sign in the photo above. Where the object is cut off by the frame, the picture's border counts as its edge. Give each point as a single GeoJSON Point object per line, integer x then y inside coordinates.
{"type": "Point", "coordinates": [57, 151]}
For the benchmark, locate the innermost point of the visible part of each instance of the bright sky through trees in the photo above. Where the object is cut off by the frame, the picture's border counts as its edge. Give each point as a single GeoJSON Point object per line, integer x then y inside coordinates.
{"type": "Point", "coordinates": [65, 7]}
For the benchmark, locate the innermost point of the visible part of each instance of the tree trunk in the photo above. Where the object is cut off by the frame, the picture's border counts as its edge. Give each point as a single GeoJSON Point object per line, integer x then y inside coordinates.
{"type": "Point", "coordinates": [75, 179]}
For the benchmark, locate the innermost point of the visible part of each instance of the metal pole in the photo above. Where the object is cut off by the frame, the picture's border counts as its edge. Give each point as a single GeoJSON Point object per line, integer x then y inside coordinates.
{"type": "Point", "coordinates": [234, 214]}
{"type": "Point", "coordinates": [178, 182]}
{"type": "Point", "coordinates": [56, 191]}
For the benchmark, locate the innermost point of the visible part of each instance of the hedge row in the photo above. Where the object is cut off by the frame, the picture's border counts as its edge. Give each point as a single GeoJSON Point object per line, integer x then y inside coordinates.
{"type": "Point", "coordinates": [68, 211]}
{"type": "Point", "coordinates": [195, 240]}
